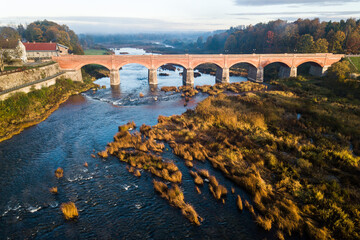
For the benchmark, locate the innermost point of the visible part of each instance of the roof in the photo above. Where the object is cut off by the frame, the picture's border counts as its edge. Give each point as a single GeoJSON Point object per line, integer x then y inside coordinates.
{"type": "Point", "coordinates": [60, 45]}
{"type": "Point", "coordinates": [8, 44]}
{"type": "Point", "coordinates": [34, 46]}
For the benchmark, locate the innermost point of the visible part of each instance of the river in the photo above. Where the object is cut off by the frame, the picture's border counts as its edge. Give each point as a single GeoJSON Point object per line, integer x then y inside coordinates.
{"type": "Point", "coordinates": [112, 203]}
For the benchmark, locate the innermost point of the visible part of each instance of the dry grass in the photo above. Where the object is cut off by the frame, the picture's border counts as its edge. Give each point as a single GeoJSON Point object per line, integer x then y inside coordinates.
{"type": "Point", "coordinates": [54, 190]}
{"type": "Point", "coordinates": [170, 89]}
{"type": "Point", "coordinates": [175, 197]}
{"type": "Point", "coordinates": [59, 172]}
{"type": "Point", "coordinates": [265, 223]}
{"type": "Point", "coordinates": [204, 173]}
{"type": "Point", "coordinates": [239, 203]}
{"type": "Point", "coordinates": [197, 179]}
{"type": "Point", "coordinates": [69, 210]}
{"type": "Point", "coordinates": [137, 173]}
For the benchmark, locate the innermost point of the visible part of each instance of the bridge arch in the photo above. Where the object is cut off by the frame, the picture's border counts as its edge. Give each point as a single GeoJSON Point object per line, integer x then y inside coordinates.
{"type": "Point", "coordinates": [135, 62]}
{"type": "Point", "coordinates": [183, 64]}
{"type": "Point", "coordinates": [276, 61]}
{"type": "Point", "coordinates": [83, 64]}
{"type": "Point", "coordinates": [277, 69]}
{"type": "Point", "coordinates": [311, 61]}
{"type": "Point", "coordinates": [312, 67]}
{"type": "Point", "coordinates": [244, 69]}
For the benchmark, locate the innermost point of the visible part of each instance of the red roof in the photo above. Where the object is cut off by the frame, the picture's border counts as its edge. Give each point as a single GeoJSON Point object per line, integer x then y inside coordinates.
{"type": "Point", "coordinates": [34, 46]}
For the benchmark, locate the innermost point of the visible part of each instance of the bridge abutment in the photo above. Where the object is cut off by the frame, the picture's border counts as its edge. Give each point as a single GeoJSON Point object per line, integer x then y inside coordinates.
{"type": "Point", "coordinates": [222, 75]}
{"type": "Point", "coordinates": [256, 74]}
{"type": "Point", "coordinates": [152, 76]}
{"type": "Point", "coordinates": [114, 77]}
{"type": "Point", "coordinates": [188, 77]}
{"type": "Point", "coordinates": [74, 75]}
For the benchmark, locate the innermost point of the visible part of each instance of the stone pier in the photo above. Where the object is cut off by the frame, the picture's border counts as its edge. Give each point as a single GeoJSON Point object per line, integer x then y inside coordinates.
{"type": "Point", "coordinates": [222, 75]}
{"type": "Point", "coordinates": [256, 74]}
{"type": "Point", "coordinates": [152, 76]}
{"type": "Point", "coordinates": [318, 71]}
{"type": "Point", "coordinates": [286, 72]}
{"type": "Point", "coordinates": [188, 77]}
{"type": "Point", "coordinates": [114, 77]}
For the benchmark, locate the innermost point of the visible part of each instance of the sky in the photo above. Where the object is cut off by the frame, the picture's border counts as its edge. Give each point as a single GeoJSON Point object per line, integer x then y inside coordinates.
{"type": "Point", "coordinates": [133, 16]}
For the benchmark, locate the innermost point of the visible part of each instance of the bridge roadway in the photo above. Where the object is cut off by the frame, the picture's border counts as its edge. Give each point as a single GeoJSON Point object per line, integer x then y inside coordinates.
{"type": "Point", "coordinates": [256, 63]}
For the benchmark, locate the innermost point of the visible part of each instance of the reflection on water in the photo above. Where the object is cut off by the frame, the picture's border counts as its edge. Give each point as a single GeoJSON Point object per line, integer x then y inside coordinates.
{"type": "Point", "coordinates": [112, 203]}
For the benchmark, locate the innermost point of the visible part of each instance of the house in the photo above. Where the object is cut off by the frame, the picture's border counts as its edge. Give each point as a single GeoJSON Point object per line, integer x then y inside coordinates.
{"type": "Point", "coordinates": [44, 51]}
{"type": "Point", "coordinates": [12, 51]}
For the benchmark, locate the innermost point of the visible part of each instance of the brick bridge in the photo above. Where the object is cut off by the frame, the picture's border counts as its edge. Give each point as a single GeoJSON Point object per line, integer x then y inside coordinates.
{"type": "Point", "coordinates": [256, 63]}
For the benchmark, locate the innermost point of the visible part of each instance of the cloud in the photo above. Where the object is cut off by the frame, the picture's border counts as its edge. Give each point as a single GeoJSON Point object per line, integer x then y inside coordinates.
{"type": "Point", "coordinates": [115, 24]}
{"type": "Point", "coordinates": [316, 13]}
{"type": "Point", "coordinates": [290, 2]}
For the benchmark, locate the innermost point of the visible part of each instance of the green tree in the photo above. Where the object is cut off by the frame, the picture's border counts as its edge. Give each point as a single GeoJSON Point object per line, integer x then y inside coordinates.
{"type": "Point", "coordinates": [321, 45]}
{"type": "Point", "coordinates": [306, 44]}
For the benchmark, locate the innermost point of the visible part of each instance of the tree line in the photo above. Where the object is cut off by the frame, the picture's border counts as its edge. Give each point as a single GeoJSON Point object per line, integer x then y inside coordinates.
{"type": "Point", "coordinates": [301, 36]}
{"type": "Point", "coordinates": [44, 31]}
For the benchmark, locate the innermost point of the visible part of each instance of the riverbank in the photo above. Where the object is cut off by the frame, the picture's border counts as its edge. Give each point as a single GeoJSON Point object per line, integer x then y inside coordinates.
{"type": "Point", "coordinates": [294, 150]}
{"type": "Point", "coordinates": [22, 110]}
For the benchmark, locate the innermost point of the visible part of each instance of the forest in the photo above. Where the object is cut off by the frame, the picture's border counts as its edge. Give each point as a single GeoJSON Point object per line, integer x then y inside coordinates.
{"type": "Point", "coordinates": [280, 36]}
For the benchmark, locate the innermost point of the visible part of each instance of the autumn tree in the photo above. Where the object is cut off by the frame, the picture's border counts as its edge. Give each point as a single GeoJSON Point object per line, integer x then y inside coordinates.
{"type": "Point", "coordinates": [9, 33]}
{"type": "Point", "coordinates": [353, 43]}
{"type": "Point", "coordinates": [306, 44]}
{"type": "Point", "coordinates": [339, 71]}
{"type": "Point", "coordinates": [321, 45]}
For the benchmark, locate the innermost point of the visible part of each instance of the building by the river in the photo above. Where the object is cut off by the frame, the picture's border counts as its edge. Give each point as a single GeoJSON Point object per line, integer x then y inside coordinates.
{"type": "Point", "coordinates": [44, 51]}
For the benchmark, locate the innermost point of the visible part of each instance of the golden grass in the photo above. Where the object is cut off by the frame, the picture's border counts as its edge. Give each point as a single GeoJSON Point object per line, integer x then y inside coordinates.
{"type": "Point", "coordinates": [59, 172]}
{"type": "Point", "coordinates": [239, 203]}
{"type": "Point", "coordinates": [169, 89]}
{"type": "Point", "coordinates": [175, 197]}
{"type": "Point", "coordinates": [204, 173]}
{"type": "Point", "coordinates": [69, 210]}
{"type": "Point", "coordinates": [197, 179]}
{"type": "Point", "coordinates": [54, 190]}
{"type": "Point", "coordinates": [197, 189]}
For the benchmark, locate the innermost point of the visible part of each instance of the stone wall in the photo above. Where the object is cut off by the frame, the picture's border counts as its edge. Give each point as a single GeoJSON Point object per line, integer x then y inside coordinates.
{"type": "Point", "coordinates": [17, 79]}
{"type": "Point", "coordinates": [36, 85]}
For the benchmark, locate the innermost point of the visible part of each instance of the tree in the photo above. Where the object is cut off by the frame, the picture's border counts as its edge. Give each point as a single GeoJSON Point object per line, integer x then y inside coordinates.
{"type": "Point", "coordinates": [1, 61]}
{"type": "Point", "coordinates": [230, 44]}
{"type": "Point", "coordinates": [321, 45]}
{"type": "Point", "coordinates": [336, 41]}
{"type": "Point", "coordinates": [9, 33]}
{"type": "Point", "coordinates": [353, 43]}
{"type": "Point", "coordinates": [339, 71]}
{"type": "Point", "coordinates": [306, 44]}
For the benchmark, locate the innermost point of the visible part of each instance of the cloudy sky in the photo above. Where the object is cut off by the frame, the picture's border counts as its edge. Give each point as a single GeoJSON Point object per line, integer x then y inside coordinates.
{"type": "Point", "coordinates": [119, 16]}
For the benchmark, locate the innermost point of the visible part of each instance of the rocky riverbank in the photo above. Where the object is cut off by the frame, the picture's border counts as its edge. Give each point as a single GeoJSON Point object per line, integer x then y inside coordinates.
{"type": "Point", "coordinates": [22, 110]}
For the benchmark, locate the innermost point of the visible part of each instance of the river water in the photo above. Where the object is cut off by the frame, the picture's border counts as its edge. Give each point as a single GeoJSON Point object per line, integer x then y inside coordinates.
{"type": "Point", "coordinates": [112, 203]}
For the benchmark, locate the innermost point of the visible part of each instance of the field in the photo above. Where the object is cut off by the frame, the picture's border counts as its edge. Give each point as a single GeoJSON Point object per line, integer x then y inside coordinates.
{"type": "Point", "coordinates": [356, 62]}
{"type": "Point", "coordinates": [95, 52]}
